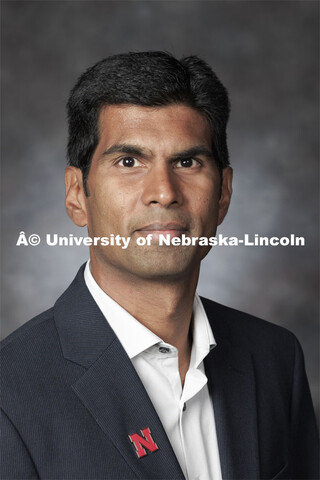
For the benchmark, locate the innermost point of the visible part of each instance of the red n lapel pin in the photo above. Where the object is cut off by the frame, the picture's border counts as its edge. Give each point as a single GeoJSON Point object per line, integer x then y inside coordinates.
{"type": "Point", "coordinates": [144, 442]}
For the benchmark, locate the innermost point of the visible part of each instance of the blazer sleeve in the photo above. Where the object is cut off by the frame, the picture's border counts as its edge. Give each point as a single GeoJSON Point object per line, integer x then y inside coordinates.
{"type": "Point", "coordinates": [304, 435]}
{"type": "Point", "coordinates": [15, 461]}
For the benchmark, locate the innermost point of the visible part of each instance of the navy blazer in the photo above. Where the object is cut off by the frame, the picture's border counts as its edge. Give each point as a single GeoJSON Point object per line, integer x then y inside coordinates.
{"type": "Point", "coordinates": [71, 397]}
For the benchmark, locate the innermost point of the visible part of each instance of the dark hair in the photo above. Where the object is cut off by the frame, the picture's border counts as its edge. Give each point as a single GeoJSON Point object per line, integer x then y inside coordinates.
{"type": "Point", "coordinates": [146, 79]}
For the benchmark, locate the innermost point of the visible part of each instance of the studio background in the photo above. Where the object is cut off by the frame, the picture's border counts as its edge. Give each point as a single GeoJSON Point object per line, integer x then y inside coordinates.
{"type": "Point", "coordinates": [266, 53]}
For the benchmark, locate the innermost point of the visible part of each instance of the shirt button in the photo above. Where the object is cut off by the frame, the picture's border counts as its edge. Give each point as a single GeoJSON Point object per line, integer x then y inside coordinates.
{"type": "Point", "coordinates": [164, 350]}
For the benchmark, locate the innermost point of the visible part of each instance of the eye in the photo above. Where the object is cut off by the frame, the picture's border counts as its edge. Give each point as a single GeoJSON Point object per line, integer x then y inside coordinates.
{"type": "Point", "coordinates": [187, 163]}
{"type": "Point", "coordinates": [129, 162]}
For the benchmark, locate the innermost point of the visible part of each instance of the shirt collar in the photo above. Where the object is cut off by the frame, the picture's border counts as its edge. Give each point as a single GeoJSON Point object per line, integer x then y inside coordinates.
{"type": "Point", "coordinates": [203, 340]}
{"type": "Point", "coordinates": [135, 337]}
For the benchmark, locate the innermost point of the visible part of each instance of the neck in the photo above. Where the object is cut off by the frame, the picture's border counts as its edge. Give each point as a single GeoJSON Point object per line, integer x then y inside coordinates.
{"type": "Point", "coordinates": [164, 306]}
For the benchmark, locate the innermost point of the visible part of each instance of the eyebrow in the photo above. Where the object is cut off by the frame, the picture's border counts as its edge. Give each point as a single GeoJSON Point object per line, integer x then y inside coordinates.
{"type": "Point", "coordinates": [144, 153]}
{"type": "Point", "coordinates": [126, 148]}
{"type": "Point", "coordinates": [193, 152]}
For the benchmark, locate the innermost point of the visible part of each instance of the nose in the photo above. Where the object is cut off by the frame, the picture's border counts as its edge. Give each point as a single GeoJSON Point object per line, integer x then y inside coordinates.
{"type": "Point", "coordinates": [161, 187]}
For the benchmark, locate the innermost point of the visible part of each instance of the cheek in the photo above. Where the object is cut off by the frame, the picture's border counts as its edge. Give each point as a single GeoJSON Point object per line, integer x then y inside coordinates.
{"type": "Point", "coordinates": [108, 209]}
{"type": "Point", "coordinates": [205, 201]}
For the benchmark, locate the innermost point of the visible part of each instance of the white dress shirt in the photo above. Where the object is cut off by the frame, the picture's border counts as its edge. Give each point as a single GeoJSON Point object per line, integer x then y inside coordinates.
{"type": "Point", "coordinates": [186, 413]}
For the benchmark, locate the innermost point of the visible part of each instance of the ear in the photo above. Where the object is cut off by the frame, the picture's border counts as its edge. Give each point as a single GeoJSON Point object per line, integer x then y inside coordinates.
{"type": "Point", "coordinates": [226, 192]}
{"type": "Point", "coordinates": [75, 196]}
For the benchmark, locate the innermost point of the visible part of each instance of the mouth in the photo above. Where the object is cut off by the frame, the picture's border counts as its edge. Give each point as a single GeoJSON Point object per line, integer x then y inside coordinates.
{"type": "Point", "coordinates": [173, 229]}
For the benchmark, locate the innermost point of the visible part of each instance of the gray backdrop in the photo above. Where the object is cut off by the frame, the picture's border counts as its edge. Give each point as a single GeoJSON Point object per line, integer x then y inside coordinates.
{"type": "Point", "coordinates": [267, 55]}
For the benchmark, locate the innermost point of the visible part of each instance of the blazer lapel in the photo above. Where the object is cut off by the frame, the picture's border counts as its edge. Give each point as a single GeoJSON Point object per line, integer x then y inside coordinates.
{"type": "Point", "coordinates": [232, 385]}
{"type": "Point", "coordinates": [110, 388]}
{"type": "Point", "coordinates": [116, 398]}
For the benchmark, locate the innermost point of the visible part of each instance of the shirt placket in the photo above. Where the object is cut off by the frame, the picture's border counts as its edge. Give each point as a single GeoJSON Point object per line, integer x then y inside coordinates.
{"type": "Point", "coordinates": [170, 364]}
{"type": "Point", "coordinates": [170, 367]}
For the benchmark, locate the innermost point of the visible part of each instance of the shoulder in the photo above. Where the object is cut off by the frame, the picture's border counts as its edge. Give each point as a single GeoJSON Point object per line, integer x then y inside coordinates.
{"type": "Point", "coordinates": [23, 353]}
{"type": "Point", "coordinates": [247, 330]}
{"type": "Point", "coordinates": [34, 372]}
{"type": "Point", "coordinates": [275, 352]}
{"type": "Point", "coordinates": [40, 332]}
{"type": "Point", "coordinates": [35, 327]}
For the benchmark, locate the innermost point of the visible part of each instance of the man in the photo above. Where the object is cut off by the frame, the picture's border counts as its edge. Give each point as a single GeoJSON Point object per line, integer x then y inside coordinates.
{"type": "Point", "coordinates": [131, 374]}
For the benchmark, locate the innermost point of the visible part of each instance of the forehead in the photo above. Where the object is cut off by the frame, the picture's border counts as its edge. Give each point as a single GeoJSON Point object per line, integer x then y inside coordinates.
{"type": "Point", "coordinates": [170, 127]}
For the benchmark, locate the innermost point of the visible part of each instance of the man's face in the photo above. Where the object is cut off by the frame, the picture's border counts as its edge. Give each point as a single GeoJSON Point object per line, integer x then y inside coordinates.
{"type": "Point", "coordinates": [153, 172]}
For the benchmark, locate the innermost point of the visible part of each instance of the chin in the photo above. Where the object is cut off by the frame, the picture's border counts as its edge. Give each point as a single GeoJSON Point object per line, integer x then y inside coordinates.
{"type": "Point", "coordinates": [170, 263]}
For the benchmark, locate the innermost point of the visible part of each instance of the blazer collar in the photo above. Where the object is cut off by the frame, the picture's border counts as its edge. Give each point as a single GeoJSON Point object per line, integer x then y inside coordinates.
{"type": "Point", "coordinates": [110, 388]}
{"type": "Point", "coordinates": [83, 330]}
{"type": "Point", "coordinates": [231, 380]}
